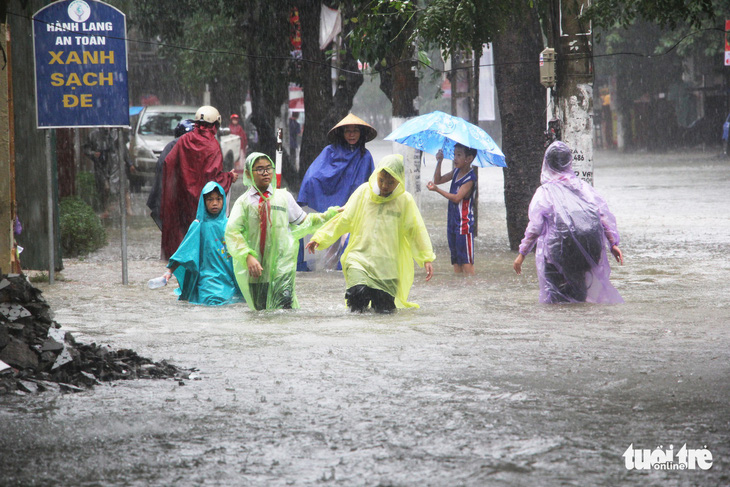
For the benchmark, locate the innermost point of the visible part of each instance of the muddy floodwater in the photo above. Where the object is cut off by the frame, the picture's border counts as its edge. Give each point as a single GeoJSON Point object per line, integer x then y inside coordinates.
{"type": "Point", "coordinates": [481, 386]}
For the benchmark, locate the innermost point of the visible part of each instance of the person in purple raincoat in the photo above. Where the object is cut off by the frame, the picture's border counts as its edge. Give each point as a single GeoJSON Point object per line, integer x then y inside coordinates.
{"type": "Point", "coordinates": [570, 228]}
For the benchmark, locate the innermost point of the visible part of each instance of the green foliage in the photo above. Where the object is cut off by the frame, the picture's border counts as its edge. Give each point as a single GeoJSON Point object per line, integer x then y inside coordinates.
{"type": "Point", "coordinates": [382, 28]}
{"type": "Point", "coordinates": [665, 13]}
{"type": "Point", "coordinates": [201, 39]}
{"type": "Point", "coordinates": [81, 230]}
{"type": "Point", "coordinates": [463, 24]}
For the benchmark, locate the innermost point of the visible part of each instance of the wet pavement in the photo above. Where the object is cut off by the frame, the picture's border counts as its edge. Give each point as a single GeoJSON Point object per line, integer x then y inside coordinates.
{"type": "Point", "coordinates": [480, 386]}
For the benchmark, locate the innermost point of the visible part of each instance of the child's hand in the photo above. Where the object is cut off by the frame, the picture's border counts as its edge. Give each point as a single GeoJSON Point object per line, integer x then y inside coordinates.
{"type": "Point", "coordinates": [439, 156]}
{"type": "Point", "coordinates": [254, 266]}
{"type": "Point", "coordinates": [429, 270]}
{"type": "Point", "coordinates": [431, 186]}
{"type": "Point", "coordinates": [517, 264]}
{"type": "Point", "coordinates": [618, 254]}
{"type": "Point", "coordinates": [311, 246]}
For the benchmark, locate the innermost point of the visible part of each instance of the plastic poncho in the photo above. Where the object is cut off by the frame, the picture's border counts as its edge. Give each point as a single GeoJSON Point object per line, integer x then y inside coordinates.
{"type": "Point", "coordinates": [279, 255]}
{"type": "Point", "coordinates": [205, 271]}
{"type": "Point", "coordinates": [334, 175]}
{"type": "Point", "coordinates": [386, 235]}
{"type": "Point", "coordinates": [572, 227]}
{"type": "Point", "coordinates": [194, 160]}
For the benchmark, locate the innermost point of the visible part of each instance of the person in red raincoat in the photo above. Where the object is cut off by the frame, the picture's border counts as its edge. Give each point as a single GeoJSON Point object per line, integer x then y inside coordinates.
{"type": "Point", "coordinates": [237, 129]}
{"type": "Point", "coordinates": [195, 160]}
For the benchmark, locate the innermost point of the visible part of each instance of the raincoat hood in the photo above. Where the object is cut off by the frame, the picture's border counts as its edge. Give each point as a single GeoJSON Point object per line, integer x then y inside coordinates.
{"type": "Point", "coordinates": [557, 165]}
{"type": "Point", "coordinates": [387, 235]}
{"type": "Point", "coordinates": [202, 215]}
{"type": "Point", "coordinates": [205, 269]}
{"type": "Point", "coordinates": [333, 176]}
{"type": "Point", "coordinates": [250, 160]}
{"type": "Point", "coordinates": [367, 131]}
{"type": "Point", "coordinates": [393, 165]}
{"type": "Point", "coordinates": [208, 129]}
{"type": "Point", "coordinates": [570, 227]}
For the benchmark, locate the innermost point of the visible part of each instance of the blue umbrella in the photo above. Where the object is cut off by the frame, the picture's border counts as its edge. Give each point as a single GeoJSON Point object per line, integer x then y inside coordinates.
{"type": "Point", "coordinates": [440, 131]}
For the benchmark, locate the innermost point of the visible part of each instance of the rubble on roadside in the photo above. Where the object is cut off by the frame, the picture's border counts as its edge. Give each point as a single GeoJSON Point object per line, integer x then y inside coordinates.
{"type": "Point", "coordinates": [37, 355]}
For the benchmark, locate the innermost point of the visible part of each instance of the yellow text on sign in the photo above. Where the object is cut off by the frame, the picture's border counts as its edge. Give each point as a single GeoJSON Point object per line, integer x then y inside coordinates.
{"type": "Point", "coordinates": [87, 57]}
{"type": "Point", "coordinates": [71, 101]}
{"type": "Point", "coordinates": [87, 79]}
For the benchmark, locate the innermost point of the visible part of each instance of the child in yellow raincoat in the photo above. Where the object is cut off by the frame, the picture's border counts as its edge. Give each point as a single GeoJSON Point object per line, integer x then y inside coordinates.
{"type": "Point", "coordinates": [387, 234]}
{"type": "Point", "coordinates": [262, 236]}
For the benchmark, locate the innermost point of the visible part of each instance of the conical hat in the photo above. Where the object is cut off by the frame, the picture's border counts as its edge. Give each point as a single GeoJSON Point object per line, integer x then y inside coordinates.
{"type": "Point", "coordinates": [367, 132]}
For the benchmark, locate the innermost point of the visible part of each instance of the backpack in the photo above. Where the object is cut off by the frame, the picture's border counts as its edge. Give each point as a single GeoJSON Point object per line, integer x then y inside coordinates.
{"type": "Point", "coordinates": [577, 243]}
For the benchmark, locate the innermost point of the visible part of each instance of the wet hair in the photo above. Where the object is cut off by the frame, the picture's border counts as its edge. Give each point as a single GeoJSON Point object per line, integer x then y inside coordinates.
{"type": "Point", "coordinates": [215, 190]}
{"type": "Point", "coordinates": [558, 156]}
{"type": "Point", "coordinates": [468, 151]}
{"type": "Point", "coordinates": [257, 160]}
{"type": "Point", "coordinates": [340, 135]}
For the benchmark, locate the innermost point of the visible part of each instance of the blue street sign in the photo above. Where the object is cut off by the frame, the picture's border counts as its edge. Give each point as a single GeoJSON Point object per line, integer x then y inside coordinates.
{"type": "Point", "coordinates": [80, 65]}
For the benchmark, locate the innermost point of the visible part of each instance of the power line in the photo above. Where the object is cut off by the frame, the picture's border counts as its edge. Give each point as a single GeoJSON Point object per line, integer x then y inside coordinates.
{"type": "Point", "coordinates": [349, 71]}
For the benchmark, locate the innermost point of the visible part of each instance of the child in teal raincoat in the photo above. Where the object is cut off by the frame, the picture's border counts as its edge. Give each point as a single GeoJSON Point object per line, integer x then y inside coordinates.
{"type": "Point", "coordinates": [201, 264]}
{"type": "Point", "coordinates": [263, 235]}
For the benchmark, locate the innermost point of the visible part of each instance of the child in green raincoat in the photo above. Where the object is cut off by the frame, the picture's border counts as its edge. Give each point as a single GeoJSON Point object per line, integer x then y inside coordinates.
{"type": "Point", "coordinates": [387, 234]}
{"type": "Point", "coordinates": [263, 235]}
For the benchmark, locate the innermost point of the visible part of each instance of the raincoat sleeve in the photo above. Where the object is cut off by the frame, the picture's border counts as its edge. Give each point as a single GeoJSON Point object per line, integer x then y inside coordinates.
{"type": "Point", "coordinates": [417, 235]}
{"type": "Point", "coordinates": [608, 220]}
{"type": "Point", "coordinates": [341, 224]}
{"type": "Point", "coordinates": [314, 222]}
{"type": "Point", "coordinates": [236, 231]}
{"type": "Point", "coordinates": [538, 210]}
{"type": "Point", "coordinates": [187, 256]}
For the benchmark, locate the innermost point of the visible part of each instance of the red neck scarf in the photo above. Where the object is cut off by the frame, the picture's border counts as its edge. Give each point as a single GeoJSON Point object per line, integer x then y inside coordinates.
{"type": "Point", "coordinates": [264, 219]}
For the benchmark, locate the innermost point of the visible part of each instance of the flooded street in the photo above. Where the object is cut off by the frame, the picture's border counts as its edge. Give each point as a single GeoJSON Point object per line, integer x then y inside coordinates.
{"type": "Point", "coordinates": [480, 386]}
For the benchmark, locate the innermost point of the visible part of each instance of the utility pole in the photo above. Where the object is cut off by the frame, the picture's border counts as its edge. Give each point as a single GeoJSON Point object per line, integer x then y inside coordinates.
{"type": "Point", "coordinates": [571, 102]}
{"type": "Point", "coordinates": [464, 78]}
{"type": "Point", "coordinates": [7, 178]}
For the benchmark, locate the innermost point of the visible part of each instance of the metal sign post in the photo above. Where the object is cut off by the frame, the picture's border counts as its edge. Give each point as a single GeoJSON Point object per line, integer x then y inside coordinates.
{"type": "Point", "coordinates": [51, 239]}
{"type": "Point", "coordinates": [279, 155]}
{"type": "Point", "coordinates": [81, 80]}
{"type": "Point", "coordinates": [122, 203]}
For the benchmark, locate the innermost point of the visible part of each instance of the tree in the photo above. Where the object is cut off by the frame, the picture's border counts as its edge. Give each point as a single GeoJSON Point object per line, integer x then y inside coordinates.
{"type": "Point", "coordinates": [235, 49]}
{"type": "Point", "coordinates": [201, 43]}
{"type": "Point", "coordinates": [323, 107]}
{"type": "Point", "coordinates": [382, 35]}
{"type": "Point", "coordinates": [693, 13]}
{"type": "Point", "coordinates": [465, 26]}
{"type": "Point", "coordinates": [650, 51]}
{"type": "Point", "coordinates": [521, 108]}
{"type": "Point", "coordinates": [269, 64]}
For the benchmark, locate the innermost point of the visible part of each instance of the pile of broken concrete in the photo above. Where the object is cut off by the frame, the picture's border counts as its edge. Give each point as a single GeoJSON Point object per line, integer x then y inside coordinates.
{"type": "Point", "coordinates": [37, 355]}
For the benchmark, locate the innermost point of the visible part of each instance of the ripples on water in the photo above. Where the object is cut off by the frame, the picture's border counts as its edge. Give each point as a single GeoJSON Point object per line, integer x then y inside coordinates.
{"type": "Point", "coordinates": [481, 386]}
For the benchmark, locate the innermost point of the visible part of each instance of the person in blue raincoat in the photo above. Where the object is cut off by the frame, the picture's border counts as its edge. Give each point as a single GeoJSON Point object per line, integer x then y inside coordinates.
{"type": "Point", "coordinates": [339, 170]}
{"type": "Point", "coordinates": [202, 265]}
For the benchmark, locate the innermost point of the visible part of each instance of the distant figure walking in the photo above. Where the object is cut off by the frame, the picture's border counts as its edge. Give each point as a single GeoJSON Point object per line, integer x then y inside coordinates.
{"type": "Point", "coordinates": [295, 130]}
{"type": "Point", "coordinates": [237, 129]}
